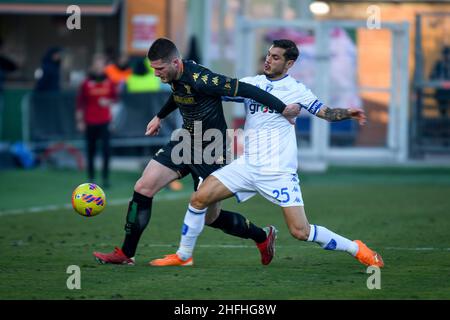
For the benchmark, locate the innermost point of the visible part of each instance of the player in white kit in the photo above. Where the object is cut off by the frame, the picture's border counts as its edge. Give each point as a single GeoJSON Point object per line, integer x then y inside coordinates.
{"type": "Point", "coordinates": [268, 165]}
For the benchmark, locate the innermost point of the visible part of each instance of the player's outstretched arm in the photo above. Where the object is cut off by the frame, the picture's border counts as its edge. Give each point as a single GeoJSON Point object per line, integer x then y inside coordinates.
{"type": "Point", "coordinates": [339, 114]}
{"type": "Point", "coordinates": [216, 84]}
{"type": "Point", "coordinates": [250, 91]}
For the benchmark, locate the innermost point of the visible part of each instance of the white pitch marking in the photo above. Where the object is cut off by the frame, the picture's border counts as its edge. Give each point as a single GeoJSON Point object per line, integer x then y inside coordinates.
{"type": "Point", "coordinates": [177, 196]}
{"type": "Point", "coordinates": [115, 202]}
{"type": "Point", "coordinates": [232, 246]}
{"type": "Point", "coordinates": [242, 246]}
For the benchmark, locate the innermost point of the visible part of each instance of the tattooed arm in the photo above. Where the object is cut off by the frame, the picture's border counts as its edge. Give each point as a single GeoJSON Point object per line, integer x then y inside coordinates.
{"type": "Point", "coordinates": [339, 114]}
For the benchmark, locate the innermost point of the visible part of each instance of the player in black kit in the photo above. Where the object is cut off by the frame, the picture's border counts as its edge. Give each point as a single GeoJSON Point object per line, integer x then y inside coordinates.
{"type": "Point", "coordinates": [197, 92]}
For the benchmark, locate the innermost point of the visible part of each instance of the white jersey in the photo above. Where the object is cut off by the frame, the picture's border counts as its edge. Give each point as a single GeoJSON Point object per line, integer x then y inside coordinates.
{"type": "Point", "coordinates": [270, 141]}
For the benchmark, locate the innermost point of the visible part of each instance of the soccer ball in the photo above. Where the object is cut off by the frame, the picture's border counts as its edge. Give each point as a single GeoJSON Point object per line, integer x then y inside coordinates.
{"type": "Point", "coordinates": [88, 199]}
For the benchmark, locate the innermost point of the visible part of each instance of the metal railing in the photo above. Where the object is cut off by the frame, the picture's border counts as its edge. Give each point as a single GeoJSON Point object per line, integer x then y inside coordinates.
{"type": "Point", "coordinates": [50, 117]}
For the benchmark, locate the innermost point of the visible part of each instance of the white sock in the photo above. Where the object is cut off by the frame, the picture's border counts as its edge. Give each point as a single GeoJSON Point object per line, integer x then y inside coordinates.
{"type": "Point", "coordinates": [331, 241]}
{"type": "Point", "coordinates": [194, 221]}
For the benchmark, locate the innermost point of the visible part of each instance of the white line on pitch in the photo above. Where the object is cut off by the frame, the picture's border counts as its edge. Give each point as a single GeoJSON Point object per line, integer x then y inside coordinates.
{"type": "Point", "coordinates": [115, 202]}
{"type": "Point", "coordinates": [241, 246]}
{"type": "Point", "coordinates": [232, 246]}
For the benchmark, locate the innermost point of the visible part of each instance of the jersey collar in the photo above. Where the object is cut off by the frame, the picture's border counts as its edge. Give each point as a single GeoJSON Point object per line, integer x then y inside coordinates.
{"type": "Point", "coordinates": [286, 75]}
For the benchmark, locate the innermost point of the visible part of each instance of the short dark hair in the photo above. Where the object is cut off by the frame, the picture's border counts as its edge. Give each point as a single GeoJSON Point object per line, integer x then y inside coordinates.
{"type": "Point", "coordinates": [162, 48]}
{"type": "Point", "coordinates": [291, 52]}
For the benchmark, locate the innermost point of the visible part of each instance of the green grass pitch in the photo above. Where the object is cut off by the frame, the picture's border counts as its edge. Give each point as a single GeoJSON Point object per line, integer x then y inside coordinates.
{"type": "Point", "coordinates": [403, 213]}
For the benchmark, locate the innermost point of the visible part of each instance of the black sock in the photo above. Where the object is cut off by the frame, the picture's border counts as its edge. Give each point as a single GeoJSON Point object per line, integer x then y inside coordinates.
{"type": "Point", "coordinates": [138, 216]}
{"type": "Point", "coordinates": [237, 225]}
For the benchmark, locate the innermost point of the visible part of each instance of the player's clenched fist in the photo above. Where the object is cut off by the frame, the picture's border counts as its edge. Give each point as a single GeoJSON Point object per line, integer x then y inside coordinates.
{"type": "Point", "coordinates": [291, 111]}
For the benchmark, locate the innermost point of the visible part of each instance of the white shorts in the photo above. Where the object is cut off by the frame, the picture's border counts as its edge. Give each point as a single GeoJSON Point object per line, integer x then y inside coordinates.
{"type": "Point", "coordinates": [245, 181]}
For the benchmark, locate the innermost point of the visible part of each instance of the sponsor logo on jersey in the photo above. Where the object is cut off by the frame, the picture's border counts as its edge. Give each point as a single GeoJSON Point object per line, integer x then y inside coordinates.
{"type": "Point", "coordinates": [257, 107]}
{"type": "Point", "coordinates": [184, 100]}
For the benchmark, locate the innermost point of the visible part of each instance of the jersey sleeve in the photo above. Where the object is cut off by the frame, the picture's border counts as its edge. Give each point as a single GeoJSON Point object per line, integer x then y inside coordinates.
{"type": "Point", "coordinates": [239, 99]}
{"type": "Point", "coordinates": [307, 99]}
{"type": "Point", "coordinates": [233, 99]}
{"type": "Point", "coordinates": [167, 108]}
{"type": "Point", "coordinates": [214, 84]}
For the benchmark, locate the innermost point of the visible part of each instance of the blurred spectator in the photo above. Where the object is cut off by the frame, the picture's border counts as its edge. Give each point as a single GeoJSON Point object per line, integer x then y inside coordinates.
{"type": "Point", "coordinates": [193, 53]}
{"type": "Point", "coordinates": [110, 55]}
{"type": "Point", "coordinates": [119, 71]}
{"type": "Point", "coordinates": [441, 72]}
{"type": "Point", "coordinates": [6, 66]}
{"type": "Point", "coordinates": [49, 73]}
{"type": "Point", "coordinates": [142, 79]}
{"type": "Point", "coordinates": [93, 115]}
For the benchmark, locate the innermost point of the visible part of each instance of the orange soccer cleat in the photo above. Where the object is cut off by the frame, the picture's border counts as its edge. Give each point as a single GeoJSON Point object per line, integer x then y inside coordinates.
{"type": "Point", "coordinates": [267, 248]}
{"type": "Point", "coordinates": [171, 260]}
{"type": "Point", "coordinates": [367, 256]}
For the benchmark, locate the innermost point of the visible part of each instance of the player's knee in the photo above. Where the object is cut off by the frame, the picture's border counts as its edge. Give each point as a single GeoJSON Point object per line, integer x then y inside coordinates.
{"type": "Point", "coordinates": [300, 233]}
{"type": "Point", "coordinates": [143, 188]}
{"type": "Point", "coordinates": [199, 201]}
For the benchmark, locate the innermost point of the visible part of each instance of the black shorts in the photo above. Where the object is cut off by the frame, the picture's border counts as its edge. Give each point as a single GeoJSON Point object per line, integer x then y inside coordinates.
{"type": "Point", "coordinates": [203, 170]}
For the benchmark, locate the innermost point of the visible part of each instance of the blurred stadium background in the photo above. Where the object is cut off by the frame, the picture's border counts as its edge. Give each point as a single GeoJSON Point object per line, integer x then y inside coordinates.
{"type": "Point", "coordinates": [391, 58]}
{"type": "Point", "coordinates": [388, 67]}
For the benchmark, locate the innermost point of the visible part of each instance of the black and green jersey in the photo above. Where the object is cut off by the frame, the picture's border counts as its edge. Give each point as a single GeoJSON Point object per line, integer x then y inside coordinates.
{"type": "Point", "coordinates": [197, 93]}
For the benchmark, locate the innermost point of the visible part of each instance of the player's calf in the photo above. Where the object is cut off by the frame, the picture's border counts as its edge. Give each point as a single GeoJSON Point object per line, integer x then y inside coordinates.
{"type": "Point", "coordinates": [300, 233]}
{"type": "Point", "coordinates": [235, 224]}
